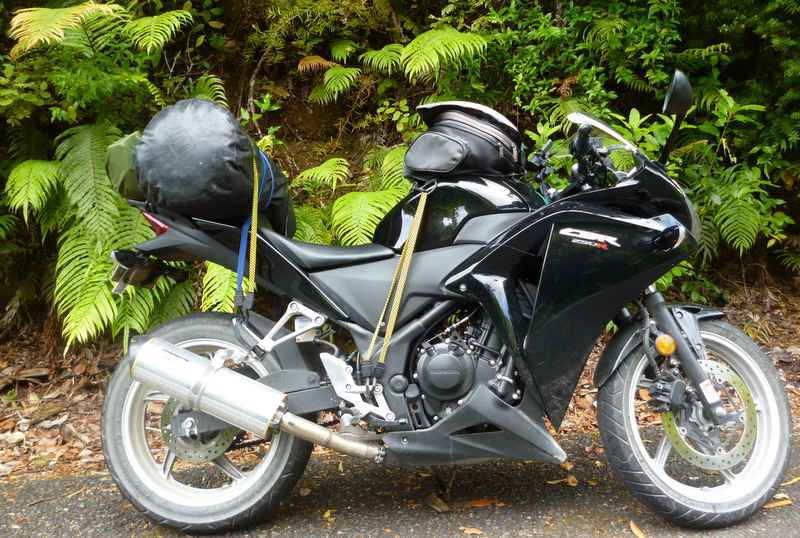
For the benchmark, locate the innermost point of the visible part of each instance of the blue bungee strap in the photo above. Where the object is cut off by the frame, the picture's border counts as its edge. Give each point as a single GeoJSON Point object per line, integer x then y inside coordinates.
{"type": "Point", "coordinates": [247, 223]}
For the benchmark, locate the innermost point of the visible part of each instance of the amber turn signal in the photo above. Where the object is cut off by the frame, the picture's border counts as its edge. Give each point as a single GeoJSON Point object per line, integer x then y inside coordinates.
{"type": "Point", "coordinates": [665, 345]}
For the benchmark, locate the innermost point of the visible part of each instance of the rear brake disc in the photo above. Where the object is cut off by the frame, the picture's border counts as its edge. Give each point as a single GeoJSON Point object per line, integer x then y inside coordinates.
{"type": "Point", "coordinates": [721, 459]}
{"type": "Point", "coordinates": [207, 447]}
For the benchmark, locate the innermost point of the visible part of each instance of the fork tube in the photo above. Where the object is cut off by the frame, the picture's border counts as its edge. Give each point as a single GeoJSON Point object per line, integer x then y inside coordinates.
{"type": "Point", "coordinates": [665, 321]}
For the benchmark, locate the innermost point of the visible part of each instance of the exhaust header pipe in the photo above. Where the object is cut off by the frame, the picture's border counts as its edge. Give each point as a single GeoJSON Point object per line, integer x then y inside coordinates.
{"type": "Point", "coordinates": [210, 387]}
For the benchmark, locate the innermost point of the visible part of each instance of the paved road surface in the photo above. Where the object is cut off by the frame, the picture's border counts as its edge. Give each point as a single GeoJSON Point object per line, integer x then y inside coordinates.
{"type": "Point", "coordinates": [364, 500]}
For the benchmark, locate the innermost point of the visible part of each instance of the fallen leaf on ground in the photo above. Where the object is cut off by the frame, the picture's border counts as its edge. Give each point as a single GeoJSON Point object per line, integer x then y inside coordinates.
{"type": "Point", "coordinates": [554, 482]}
{"type": "Point", "coordinates": [572, 481]}
{"type": "Point", "coordinates": [437, 503]}
{"type": "Point", "coordinates": [636, 530]}
{"type": "Point", "coordinates": [470, 530]}
{"type": "Point", "coordinates": [644, 394]}
{"type": "Point", "coordinates": [567, 466]}
{"type": "Point", "coordinates": [592, 482]}
{"type": "Point", "coordinates": [481, 503]}
{"type": "Point", "coordinates": [778, 504]}
{"type": "Point", "coordinates": [792, 481]}
{"type": "Point", "coordinates": [305, 492]}
{"type": "Point", "coordinates": [328, 516]}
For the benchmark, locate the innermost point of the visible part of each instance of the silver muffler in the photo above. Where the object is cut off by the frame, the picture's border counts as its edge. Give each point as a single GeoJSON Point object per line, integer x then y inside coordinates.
{"type": "Point", "coordinates": [210, 387]}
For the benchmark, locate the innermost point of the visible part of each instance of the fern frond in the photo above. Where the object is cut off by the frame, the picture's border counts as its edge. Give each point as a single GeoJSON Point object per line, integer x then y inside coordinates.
{"type": "Point", "coordinates": [152, 89]}
{"type": "Point", "coordinates": [428, 52]}
{"type": "Point", "coordinates": [790, 259]}
{"type": "Point", "coordinates": [709, 242]}
{"type": "Point", "coordinates": [355, 215]}
{"type": "Point", "coordinates": [311, 226]}
{"type": "Point", "coordinates": [83, 295]}
{"type": "Point", "coordinates": [35, 26]}
{"type": "Point", "coordinates": [337, 80]}
{"type": "Point", "coordinates": [739, 223]}
{"type": "Point", "coordinates": [29, 185]}
{"type": "Point", "coordinates": [385, 60]}
{"type": "Point", "coordinates": [82, 152]}
{"type": "Point", "coordinates": [311, 64]}
{"type": "Point", "coordinates": [342, 49]}
{"type": "Point", "coordinates": [219, 288]}
{"type": "Point", "coordinates": [392, 174]}
{"type": "Point", "coordinates": [134, 309]}
{"type": "Point", "coordinates": [178, 301]}
{"type": "Point", "coordinates": [209, 87]}
{"type": "Point", "coordinates": [329, 173]}
{"type": "Point", "coordinates": [150, 34]}
{"type": "Point", "coordinates": [8, 223]}
{"type": "Point", "coordinates": [604, 29]}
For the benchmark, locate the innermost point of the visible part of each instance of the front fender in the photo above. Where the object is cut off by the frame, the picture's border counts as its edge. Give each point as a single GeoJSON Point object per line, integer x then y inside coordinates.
{"type": "Point", "coordinates": [630, 336]}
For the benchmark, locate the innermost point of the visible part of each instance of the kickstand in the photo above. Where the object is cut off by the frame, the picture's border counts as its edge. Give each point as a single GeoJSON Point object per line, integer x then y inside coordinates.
{"type": "Point", "coordinates": [444, 484]}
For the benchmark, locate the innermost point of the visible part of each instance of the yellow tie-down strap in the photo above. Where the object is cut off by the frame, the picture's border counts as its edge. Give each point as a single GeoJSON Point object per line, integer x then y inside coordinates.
{"type": "Point", "coordinates": [395, 294]}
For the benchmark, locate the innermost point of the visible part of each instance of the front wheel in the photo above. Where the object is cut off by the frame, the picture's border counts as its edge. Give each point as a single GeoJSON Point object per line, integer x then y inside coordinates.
{"type": "Point", "coordinates": [684, 467]}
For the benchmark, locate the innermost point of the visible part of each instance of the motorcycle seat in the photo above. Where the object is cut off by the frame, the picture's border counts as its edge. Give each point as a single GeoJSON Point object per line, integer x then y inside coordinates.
{"type": "Point", "coordinates": [317, 257]}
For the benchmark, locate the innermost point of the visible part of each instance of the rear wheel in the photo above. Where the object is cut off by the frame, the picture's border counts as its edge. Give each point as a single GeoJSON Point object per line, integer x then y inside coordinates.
{"type": "Point", "coordinates": [687, 469]}
{"type": "Point", "coordinates": [214, 482]}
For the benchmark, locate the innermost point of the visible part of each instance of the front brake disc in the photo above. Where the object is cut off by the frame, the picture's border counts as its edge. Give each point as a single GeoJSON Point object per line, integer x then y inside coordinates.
{"type": "Point", "coordinates": [721, 459]}
{"type": "Point", "coordinates": [207, 447]}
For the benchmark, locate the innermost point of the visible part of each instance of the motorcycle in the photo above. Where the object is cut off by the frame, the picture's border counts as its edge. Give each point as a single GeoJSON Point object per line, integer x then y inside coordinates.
{"type": "Point", "coordinates": [210, 419]}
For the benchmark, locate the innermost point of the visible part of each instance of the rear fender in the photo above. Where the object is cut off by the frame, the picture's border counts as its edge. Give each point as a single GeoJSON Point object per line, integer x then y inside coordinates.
{"type": "Point", "coordinates": [630, 336]}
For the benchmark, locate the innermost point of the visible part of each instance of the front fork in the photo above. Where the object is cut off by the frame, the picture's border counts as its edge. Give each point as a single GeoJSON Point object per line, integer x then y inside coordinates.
{"type": "Point", "coordinates": [682, 325]}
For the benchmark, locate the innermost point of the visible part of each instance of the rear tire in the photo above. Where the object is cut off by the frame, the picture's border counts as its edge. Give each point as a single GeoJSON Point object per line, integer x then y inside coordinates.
{"type": "Point", "coordinates": [738, 495]}
{"type": "Point", "coordinates": [200, 511]}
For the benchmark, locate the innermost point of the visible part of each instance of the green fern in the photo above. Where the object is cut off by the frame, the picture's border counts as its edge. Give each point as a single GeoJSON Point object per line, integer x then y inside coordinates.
{"type": "Point", "coordinates": [392, 170]}
{"type": "Point", "coordinates": [152, 89]}
{"type": "Point", "coordinates": [604, 29]}
{"type": "Point", "coordinates": [150, 34]}
{"type": "Point", "coordinates": [82, 295]}
{"type": "Point", "coordinates": [342, 49]}
{"type": "Point", "coordinates": [330, 174]}
{"type": "Point", "coordinates": [8, 223]}
{"type": "Point", "coordinates": [29, 185]}
{"type": "Point", "coordinates": [178, 301]}
{"type": "Point", "coordinates": [209, 87]}
{"type": "Point", "coordinates": [82, 152]}
{"type": "Point", "coordinates": [709, 242]}
{"type": "Point", "coordinates": [311, 226]}
{"type": "Point", "coordinates": [385, 60]}
{"type": "Point", "coordinates": [738, 216]}
{"type": "Point", "coordinates": [337, 81]}
{"type": "Point", "coordinates": [423, 57]}
{"type": "Point", "coordinates": [219, 288]}
{"type": "Point", "coordinates": [32, 27]}
{"type": "Point", "coordinates": [355, 215]}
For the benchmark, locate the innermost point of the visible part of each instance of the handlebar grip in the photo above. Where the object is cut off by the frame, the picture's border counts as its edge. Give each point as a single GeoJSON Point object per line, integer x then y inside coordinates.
{"type": "Point", "coordinates": [580, 146]}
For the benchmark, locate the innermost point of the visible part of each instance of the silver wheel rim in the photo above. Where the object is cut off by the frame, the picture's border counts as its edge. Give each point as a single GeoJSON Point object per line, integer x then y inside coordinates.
{"type": "Point", "coordinates": [157, 475]}
{"type": "Point", "coordinates": [748, 483]}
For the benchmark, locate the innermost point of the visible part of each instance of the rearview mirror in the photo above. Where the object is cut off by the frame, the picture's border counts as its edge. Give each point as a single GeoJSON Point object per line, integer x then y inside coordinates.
{"type": "Point", "coordinates": [679, 95]}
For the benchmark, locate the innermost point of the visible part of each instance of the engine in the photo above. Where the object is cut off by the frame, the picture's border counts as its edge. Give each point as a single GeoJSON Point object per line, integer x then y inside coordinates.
{"type": "Point", "coordinates": [448, 365]}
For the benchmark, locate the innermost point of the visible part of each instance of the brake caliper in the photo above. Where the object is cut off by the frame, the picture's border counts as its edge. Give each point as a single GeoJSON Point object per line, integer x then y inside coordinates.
{"type": "Point", "coordinates": [667, 393]}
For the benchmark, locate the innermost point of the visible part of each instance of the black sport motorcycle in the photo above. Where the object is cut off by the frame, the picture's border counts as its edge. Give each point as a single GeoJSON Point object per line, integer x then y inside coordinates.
{"type": "Point", "coordinates": [210, 419]}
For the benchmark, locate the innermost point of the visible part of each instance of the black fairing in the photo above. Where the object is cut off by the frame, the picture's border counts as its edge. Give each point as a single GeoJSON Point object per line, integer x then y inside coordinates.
{"type": "Point", "coordinates": [579, 284]}
{"type": "Point", "coordinates": [451, 204]}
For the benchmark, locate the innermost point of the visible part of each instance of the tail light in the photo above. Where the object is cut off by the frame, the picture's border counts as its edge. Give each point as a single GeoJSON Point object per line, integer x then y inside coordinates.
{"type": "Point", "coordinates": [158, 227]}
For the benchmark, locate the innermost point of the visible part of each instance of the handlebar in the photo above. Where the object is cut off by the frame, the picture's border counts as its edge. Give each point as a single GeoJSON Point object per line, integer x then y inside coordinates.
{"type": "Point", "coordinates": [582, 143]}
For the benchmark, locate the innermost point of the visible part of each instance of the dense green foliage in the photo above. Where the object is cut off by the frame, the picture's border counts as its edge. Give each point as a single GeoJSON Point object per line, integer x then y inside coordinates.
{"type": "Point", "coordinates": [329, 88]}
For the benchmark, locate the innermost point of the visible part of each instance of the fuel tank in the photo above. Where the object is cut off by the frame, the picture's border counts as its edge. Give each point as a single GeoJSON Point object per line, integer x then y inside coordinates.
{"type": "Point", "coordinates": [451, 204]}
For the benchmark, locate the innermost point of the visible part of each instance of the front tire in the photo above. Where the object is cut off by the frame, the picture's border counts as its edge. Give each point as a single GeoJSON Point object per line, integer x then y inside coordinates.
{"type": "Point", "coordinates": [716, 493]}
{"type": "Point", "coordinates": [186, 494]}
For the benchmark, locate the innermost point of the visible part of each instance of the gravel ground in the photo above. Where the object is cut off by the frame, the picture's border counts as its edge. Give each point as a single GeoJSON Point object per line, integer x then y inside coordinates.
{"type": "Point", "coordinates": [342, 496]}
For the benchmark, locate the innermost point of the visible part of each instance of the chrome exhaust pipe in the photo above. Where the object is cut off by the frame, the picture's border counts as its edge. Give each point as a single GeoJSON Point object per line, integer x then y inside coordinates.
{"type": "Point", "coordinates": [210, 387]}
